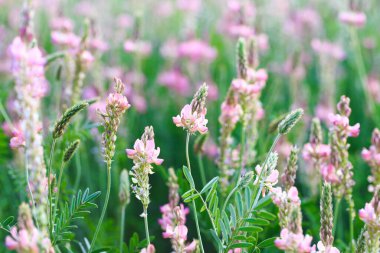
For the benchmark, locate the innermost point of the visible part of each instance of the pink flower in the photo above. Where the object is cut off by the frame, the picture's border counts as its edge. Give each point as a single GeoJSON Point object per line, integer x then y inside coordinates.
{"type": "Point", "coordinates": [23, 240]}
{"type": "Point", "coordinates": [230, 113]}
{"type": "Point", "coordinates": [326, 249]}
{"type": "Point", "coordinates": [242, 87]}
{"type": "Point", "coordinates": [329, 173]}
{"type": "Point", "coordinates": [189, 5]}
{"type": "Point", "coordinates": [328, 48]}
{"type": "Point", "coordinates": [17, 140]}
{"type": "Point", "coordinates": [140, 47]}
{"type": "Point", "coordinates": [98, 44]}
{"type": "Point", "coordinates": [316, 151]}
{"type": "Point", "coordinates": [86, 58]}
{"type": "Point", "coordinates": [196, 50]}
{"type": "Point", "coordinates": [192, 121]}
{"type": "Point", "coordinates": [293, 195]}
{"type": "Point", "coordinates": [118, 102]}
{"type": "Point", "coordinates": [67, 39]}
{"type": "Point", "coordinates": [145, 152]}
{"type": "Point", "coordinates": [289, 241]}
{"type": "Point", "coordinates": [62, 23]}
{"type": "Point", "coordinates": [176, 81]}
{"type": "Point", "coordinates": [357, 19]}
{"type": "Point", "coordinates": [342, 123]}
{"type": "Point", "coordinates": [368, 214]}
{"type": "Point", "coordinates": [149, 249]}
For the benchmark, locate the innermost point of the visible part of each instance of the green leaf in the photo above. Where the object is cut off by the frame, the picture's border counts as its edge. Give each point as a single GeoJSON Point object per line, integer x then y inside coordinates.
{"type": "Point", "coordinates": [7, 221]}
{"type": "Point", "coordinates": [191, 198]}
{"type": "Point", "coordinates": [224, 230]}
{"type": "Point", "coordinates": [216, 239]}
{"type": "Point", "coordinates": [267, 243]}
{"type": "Point", "coordinates": [188, 176]}
{"type": "Point", "coordinates": [266, 215]}
{"type": "Point", "coordinates": [209, 185]}
{"type": "Point", "coordinates": [252, 229]}
{"type": "Point", "coordinates": [187, 194]}
{"type": "Point", "coordinates": [241, 245]}
{"type": "Point", "coordinates": [263, 202]}
{"type": "Point", "coordinates": [239, 204]}
{"type": "Point", "coordinates": [232, 215]}
{"type": "Point", "coordinates": [257, 221]}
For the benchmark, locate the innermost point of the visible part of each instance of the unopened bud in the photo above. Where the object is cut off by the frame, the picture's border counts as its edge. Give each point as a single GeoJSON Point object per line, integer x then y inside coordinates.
{"type": "Point", "coordinates": [290, 120]}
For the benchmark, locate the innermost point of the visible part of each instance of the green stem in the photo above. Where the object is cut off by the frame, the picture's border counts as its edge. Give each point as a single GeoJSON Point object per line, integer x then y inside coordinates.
{"type": "Point", "coordinates": [201, 169]}
{"type": "Point", "coordinates": [5, 115]}
{"type": "Point", "coordinates": [228, 197]}
{"type": "Point", "coordinates": [352, 240]}
{"type": "Point", "coordinates": [336, 214]}
{"type": "Point", "coordinates": [361, 68]}
{"type": "Point", "coordinates": [122, 227]}
{"type": "Point", "coordinates": [194, 206]}
{"type": "Point", "coordinates": [146, 224]}
{"type": "Point", "coordinates": [78, 167]}
{"type": "Point", "coordinates": [58, 190]}
{"type": "Point", "coordinates": [242, 151]}
{"type": "Point", "coordinates": [104, 206]}
{"type": "Point", "coordinates": [29, 187]}
{"type": "Point", "coordinates": [49, 185]}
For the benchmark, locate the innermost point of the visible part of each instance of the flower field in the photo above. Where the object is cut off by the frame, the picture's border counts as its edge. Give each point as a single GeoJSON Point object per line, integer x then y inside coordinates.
{"type": "Point", "coordinates": [228, 126]}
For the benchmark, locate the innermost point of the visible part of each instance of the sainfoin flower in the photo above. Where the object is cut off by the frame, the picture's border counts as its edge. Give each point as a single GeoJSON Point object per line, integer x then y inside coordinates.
{"type": "Point", "coordinates": [368, 215]}
{"type": "Point", "coordinates": [325, 249]}
{"type": "Point", "coordinates": [329, 173]}
{"type": "Point", "coordinates": [144, 152]}
{"type": "Point", "coordinates": [353, 18]}
{"type": "Point", "coordinates": [289, 241]}
{"type": "Point", "coordinates": [342, 123]}
{"type": "Point", "coordinates": [149, 249]}
{"type": "Point", "coordinates": [193, 116]}
{"type": "Point", "coordinates": [316, 151]}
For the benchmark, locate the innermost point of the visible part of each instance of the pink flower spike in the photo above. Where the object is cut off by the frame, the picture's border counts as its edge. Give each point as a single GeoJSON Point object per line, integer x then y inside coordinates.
{"type": "Point", "coordinates": [357, 19]}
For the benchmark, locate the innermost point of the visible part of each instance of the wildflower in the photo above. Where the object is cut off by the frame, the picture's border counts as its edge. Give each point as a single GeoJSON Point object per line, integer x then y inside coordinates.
{"type": "Point", "coordinates": [174, 218]}
{"type": "Point", "coordinates": [138, 46]}
{"type": "Point", "coordinates": [176, 81]}
{"type": "Point", "coordinates": [149, 249]}
{"type": "Point", "coordinates": [289, 241]}
{"type": "Point", "coordinates": [370, 214]}
{"type": "Point", "coordinates": [372, 157]}
{"type": "Point", "coordinates": [328, 49]}
{"type": "Point", "coordinates": [27, 238]}
{"type": "Point", "coordinates": [325, 249]}
{"type": "Point", "coordinates": [143, 155]}
{"type": "Point", "coordinates": [192, 117]}
{"type": "Point", "coordinates": [17, 140]}
{"type": "Point", "coordinates": [316, 151]}
{"type": "Point", "coordinates": [357, 19]}
{"type": "Point", "coordinates": [196, 50]}
{"type": "Point", "coordinates": [329, 173]}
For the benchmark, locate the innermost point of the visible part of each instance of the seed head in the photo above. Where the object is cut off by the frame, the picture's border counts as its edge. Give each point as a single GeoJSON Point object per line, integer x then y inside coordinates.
{"type": "Point", "coordinates": [290, 120]}
{"type": "Point", "coordinates": [70, 151]}
{"type": "Point", "coordinates": [241, 59]}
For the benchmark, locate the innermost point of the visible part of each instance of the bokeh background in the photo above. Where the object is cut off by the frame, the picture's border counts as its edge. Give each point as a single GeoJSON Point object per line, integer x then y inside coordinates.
{"type": "Point", "coordinates": [302, 73]}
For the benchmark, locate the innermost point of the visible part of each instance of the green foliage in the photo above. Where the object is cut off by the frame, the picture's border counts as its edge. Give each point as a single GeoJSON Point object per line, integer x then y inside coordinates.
{"type": "Point", "coordinates": [80, 203]}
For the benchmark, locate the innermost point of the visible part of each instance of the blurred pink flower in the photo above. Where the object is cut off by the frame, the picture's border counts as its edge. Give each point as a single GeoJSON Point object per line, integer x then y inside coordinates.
{"type": "Point", "coordinates": [196, 50]}
{"type": "Point", "coordinates": [62, 23]}
{"type": "Point", "coordinates": [176, 81]}
{"type": "Point", "coordinates": [189, 5]}
{"type": "Point", "coordinates": [192, 121]}
{"type": "Point", "coordinates": [329, 174]}
{"type": "Point", "coordinates": [124, 21]}
{"type": "Point", "coordinates": [328, 48]}
{"type": "Point", "coordinates": [342, 123]}
{"type": "Point", "coordinates": [289, 241]}
{"type": "Point", "coordinates": [139, 47]}
{"type": "Point", "coordinates": [169, 49]}
{"type": "Point", "coordinates": [98, 44]}
{"type": "Point", "coordinates": [367, 214]}
{"type": "Point", "coordinates": [86, 58]}
{"type": "Point", "coordinates": [149, 249]}
{"type": "Point", "coordinates": [325, 249]}
{"type": "Point", "coordinates": [230, 113]}
{"type": "Point", "coordinates": [66, 39]}
{"type": "Point", "coordinates": [316, 151]}
{"type": "Point", "coordinates": [353, 18]}
{"type": "Point", "coordinates": [373, 86]}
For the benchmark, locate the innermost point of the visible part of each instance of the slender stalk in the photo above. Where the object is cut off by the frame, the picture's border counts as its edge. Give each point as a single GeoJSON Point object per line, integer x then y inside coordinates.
{"type": "Point", "coordinates": [122, 227]}
{"type": "Point", "coordinates": [201, 169]}
{"type": "Point", "coordinates": [360, 67]}
{"type": "Point", "coordinates": [352, 240]}
{"type": "Point", "coordinates": [336, 214]}
{"type": "Point", "coordinates": [48, 173]}
{"type": "Point", "coordinates": [104, 206]}
{"type": "Point", "coordinates": [58, 190]}
{"type": "Point", "coordinates": [242, 151]}
{"type": "Point", "coordinates": [29, 187]}
{"type": "Point", "coordinates": [257, 191]}
{"type": "Point", "coordinates": [194, 206]}
{"type": "Point", "coordinates": [78, 167]}
{"type": "Point", "coordinates": [228, 197]}
{"type": "Point", "coordinates": [146, 224]}
{"type": "Point", "coordinates": [5, 115]}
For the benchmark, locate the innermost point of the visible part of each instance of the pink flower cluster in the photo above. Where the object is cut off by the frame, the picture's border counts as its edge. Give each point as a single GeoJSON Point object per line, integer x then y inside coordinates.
{"type": "Point", "coordinates": [316, 151]}
{"type": "Point", "coordinates": [330, 174]}
{"type": "Point", "coordinates": [325, 249]}
{"type": "Point", "coordinates": [28, 64]}
{"type": "Point", "coordinates": [176, 81]}
{"type": "Point", "coordinates": [230, 113]}
{"type": "Point", "coordinates": [241, 86]}
{"type": "Point", "coordinates": [372, 155]}
{"type": "Point", "coordinates": [144, 152]}
{"type": "Point", "coordinates": [328, 48]}
{"type": "Point", "coordinates": [232, 24]}
{"type": "Point", "coordinates": [140, 47]}
{"type": "Point", "coordinates": [173, 223]}
{"type": "Point", "coordinates": [280, 197]}
{"type": "Point", "coordinates": [353, 18]}
{"type": "Point", "coordinates": [196, 50]}
{"type": "Point", "coordinates": [341, 122]}
{"type": "Point", "coordinates": [270, 179]}
{"type": "Point", "coordinates": [29, 241]}
{"type": "Point", "coordinates": [192, 121]}
{"type": "Point", "coordinates": [370, 215]}
{"type": "Point", "coordinates": [118, 102]}
{"type": "Point", "coordinates": [291, 242]}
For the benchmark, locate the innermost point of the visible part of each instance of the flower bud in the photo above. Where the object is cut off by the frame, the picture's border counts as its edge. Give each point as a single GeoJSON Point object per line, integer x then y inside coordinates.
{"type": "Point", "coordinates": [247, 179]}
{"type": "Point", "coordinates": [289, 121]}
{"type": "Point", "coordinates": [70, 151]}
{"type": "Point", "coordinates": [124, 191]}
{"type": "Point", "coordinates": [241, 59]}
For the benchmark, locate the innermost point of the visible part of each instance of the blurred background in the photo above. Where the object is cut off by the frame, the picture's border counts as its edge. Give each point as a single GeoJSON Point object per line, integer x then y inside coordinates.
{"type": "Point", "coordinates": [163, 51]}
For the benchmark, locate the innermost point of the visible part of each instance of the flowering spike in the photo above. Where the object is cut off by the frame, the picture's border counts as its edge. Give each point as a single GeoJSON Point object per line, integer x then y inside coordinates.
{"type": "Point", "coordinates": [326, 208]}
{"type": "Point", "coordinates": [316, 132]}
{"type": "Point", "coordinates": [241, 59]}
{"type": "Point", "coordinates": [289, 176]}
{"type": "Point", "coordinates": [289, 121]}
{"type": "Point", "coordinates": [65, 119]}
{"type": "Point", "coordinates": [70, 151]}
